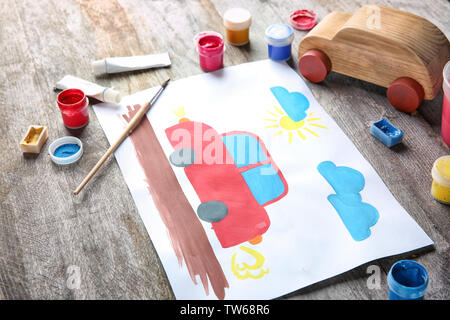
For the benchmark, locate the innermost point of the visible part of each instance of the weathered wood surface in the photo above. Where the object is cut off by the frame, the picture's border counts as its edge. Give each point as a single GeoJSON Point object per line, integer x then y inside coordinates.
{"type": "Point", "coordinates": [47, 235]}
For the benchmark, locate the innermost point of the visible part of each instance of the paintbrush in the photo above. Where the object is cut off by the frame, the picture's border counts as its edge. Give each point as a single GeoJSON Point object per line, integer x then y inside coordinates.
{"type": "Point", "coordinates": [131, 125]}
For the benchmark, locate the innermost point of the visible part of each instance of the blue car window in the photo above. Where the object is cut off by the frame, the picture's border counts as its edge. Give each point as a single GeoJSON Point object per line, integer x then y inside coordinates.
{"type": "Point", "coordinates": [245, 149]}
{"type": "Point", "coordinates": [264, 183]}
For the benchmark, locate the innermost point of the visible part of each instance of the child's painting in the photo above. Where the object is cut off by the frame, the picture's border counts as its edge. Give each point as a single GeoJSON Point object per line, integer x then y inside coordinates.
{"type": "Point", "coordinates": [249, 189]}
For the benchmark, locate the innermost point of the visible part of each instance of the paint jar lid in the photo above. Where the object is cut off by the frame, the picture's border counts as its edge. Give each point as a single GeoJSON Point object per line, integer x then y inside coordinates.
{"type": "Point", "coordinates": [60, 142]}
{"type": "Point", "coordinates": [303, 19]}
{"type": "Point", "coordinates": [408, 279]}
{"type": "Point", "coordinates": [237, 19]}
{"type": "Point", "coordinates": [441, 171]}
{"type": "Point", "coordinates": [279, 34]}
{"type": "Point", "coordinates": [209, 43]}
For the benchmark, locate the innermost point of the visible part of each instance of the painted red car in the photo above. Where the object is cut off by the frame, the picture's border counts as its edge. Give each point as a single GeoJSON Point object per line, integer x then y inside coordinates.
{"type": "Point", "coordinates": [234, 177]}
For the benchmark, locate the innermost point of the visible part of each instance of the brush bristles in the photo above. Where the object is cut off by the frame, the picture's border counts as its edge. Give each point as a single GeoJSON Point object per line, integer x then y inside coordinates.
{"type": "Point", "coordinates": [165, 83]}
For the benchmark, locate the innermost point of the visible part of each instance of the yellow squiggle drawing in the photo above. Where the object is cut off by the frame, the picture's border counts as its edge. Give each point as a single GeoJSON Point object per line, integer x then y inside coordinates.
{"type": "Point", "coordinates": [257, 265]}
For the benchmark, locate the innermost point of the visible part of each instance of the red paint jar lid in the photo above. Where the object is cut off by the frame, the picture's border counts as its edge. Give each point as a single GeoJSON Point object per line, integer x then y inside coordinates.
{"type": "Point", "coordinates": [71, 99]}
{"type": "Point", "coordinates": [209, 43]}
{"type": "Point", "coordinates": [303, 19]}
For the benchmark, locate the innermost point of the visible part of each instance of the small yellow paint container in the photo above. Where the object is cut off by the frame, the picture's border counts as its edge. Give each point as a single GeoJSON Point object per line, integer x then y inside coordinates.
{"type": "Point", "coordinates": [237, 23]}
{"type": "Point", "coordinates": [34, 139]}
{"type": "Point", "coordinates": [440, 188]}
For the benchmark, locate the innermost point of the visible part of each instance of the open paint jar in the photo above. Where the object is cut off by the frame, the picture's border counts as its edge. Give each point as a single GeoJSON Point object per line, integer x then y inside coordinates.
{"type": "Point", "coordinates": [73, 104]}
{"type": "Point", "coordinates": [210, 48]}
{"type": "Point", "coordinates": [237, 23]}
{"type": "Point", "coordinates": [440, 188]}
{"type": "Point", "coordinates": [384, 131]}
{"type": "Point", "coordinates": [445, 126]}
{"type": "Point", "coordinates": [407, 280]}
{"type": "Point", "coordinates": [279, 40]}
{"type": "Point", "coordinates": [34, 139]}
{"type": "Point", "coordinates": [66, 150]}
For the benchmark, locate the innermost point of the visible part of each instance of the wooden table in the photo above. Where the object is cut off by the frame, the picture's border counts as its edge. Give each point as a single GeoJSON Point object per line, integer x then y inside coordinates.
{"type": "Point", "coordinates": [54, 245]}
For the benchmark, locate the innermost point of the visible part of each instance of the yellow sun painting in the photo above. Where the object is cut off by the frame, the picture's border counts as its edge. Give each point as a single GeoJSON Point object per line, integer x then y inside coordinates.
{"type": "Point", "coordinates": [281, 122]}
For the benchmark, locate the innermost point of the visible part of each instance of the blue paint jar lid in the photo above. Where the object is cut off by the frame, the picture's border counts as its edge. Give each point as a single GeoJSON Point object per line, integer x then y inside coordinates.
{"type": "Point", "coordinates": [60, 142]}
{"type": "Point", "coordinates": [279, 34]}
{"type": "Point", "coordinates": [408, 279]}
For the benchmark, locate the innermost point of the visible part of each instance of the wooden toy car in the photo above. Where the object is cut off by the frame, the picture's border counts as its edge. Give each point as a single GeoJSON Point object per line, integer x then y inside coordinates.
{"type": "Point", "coordinates": [390, 48]}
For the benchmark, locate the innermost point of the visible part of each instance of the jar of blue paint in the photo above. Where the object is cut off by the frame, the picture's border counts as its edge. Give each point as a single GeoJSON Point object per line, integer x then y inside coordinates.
{"type": "Point", "coordinates": [407, 280]}
{"type": "Point", "coordinates": [279, 41]}
{"type": "Point", "coordinates": [65, 150]}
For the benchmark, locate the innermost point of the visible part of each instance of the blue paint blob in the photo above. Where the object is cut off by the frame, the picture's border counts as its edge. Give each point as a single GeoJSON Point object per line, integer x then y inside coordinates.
{"type": "Point", "coordinates": [357, 216]}
{"type": "Point", "coordinates": [264, 183]}
{"type": "Point", "coordinates": [293, 103]}
{"type": "Point", "coordinates": [407, 280]}
{"type": "Point", "coordinates": [66, 150]}
{"type": "Point", "coordinates": [263, 180]}
{"type": "Point", "coordinates": [244, 149]}
{"type": "Point", "coordinates": [384, 131]}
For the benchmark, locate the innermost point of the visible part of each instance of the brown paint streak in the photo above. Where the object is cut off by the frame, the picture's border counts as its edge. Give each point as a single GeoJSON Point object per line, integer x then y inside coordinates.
{"type": "Point", "coordinates": [187, 235]}
{"type": "Point", "coordinates": [114, 32]}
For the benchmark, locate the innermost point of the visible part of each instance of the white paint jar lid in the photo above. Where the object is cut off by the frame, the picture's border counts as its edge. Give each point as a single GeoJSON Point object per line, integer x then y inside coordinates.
{"type": "Point", "coordinates": [62, 141]}
{"type": "Point", "coordinates": [237, 19]}
{"type": "Point", "coordinates": [279, 35]}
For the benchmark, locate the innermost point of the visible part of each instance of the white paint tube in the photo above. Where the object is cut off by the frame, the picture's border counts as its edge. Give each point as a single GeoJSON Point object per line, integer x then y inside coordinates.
{"type": "Point", "coordinates": [90, 89]}
{"type": "Point", "coordinates": [123, 64]}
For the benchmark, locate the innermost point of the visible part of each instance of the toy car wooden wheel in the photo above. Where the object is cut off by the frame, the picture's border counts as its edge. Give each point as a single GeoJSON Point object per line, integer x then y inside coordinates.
{"type": "Point", "coordinates": [314, 65]}
{"type": "Point", "coordinates": [405, 94]}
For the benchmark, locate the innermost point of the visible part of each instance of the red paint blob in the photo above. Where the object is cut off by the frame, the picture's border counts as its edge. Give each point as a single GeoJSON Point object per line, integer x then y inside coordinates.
{"type": "Point", "coordinates": [445, 128]}
{"type": "Point", "coordinates": [71, 99]}
{"type": "Point", "coordinates": [303, 19]}
{"type": "Point", "coordinates": [210, 42]}
{"type": "Point", "coordinates": [210, 47]}
{"type": "Point", "coordinates": [74, 108]}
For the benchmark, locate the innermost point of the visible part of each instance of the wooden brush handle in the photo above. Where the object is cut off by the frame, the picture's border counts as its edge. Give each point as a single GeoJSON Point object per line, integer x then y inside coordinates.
{"type": "Point", "coordinates": [131, 125]}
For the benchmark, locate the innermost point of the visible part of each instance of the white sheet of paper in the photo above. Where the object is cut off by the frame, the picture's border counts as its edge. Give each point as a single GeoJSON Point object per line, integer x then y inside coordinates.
{"type": "Point", "coordinates": [307, 241]}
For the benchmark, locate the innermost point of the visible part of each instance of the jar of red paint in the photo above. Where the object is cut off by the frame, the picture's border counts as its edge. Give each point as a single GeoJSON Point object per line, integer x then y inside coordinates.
{"type": "Point", "coordinates": [210, 48]}
{"type": "Point", "coordinates": [445, 126]}
{"type": "Point", "coordinates": [73, 104]}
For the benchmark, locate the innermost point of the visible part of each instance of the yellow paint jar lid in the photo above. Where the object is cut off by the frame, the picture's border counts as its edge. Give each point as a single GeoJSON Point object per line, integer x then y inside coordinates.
{"type": "Point", "coordinates": [237, 19]}
{"type": "Point", "coordinates": [441, 171]}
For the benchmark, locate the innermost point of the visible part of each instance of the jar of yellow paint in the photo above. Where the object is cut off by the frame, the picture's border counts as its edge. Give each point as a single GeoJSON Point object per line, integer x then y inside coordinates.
{"type": "Point", "coordinates": [237, 23]}
{"type": "Point", "coordinates": [440, 188]}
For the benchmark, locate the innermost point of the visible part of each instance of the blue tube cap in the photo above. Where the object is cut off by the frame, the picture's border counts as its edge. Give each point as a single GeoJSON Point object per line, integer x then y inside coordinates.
{"type": "Point", "coordinates": [407, 280]}
{"type": "Point", "coordinates": [384, 131]}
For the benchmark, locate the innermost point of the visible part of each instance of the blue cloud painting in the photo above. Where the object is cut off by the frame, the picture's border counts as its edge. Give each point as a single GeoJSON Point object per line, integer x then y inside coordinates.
{"type": "Point", "coordinates": [357, 216]}
{"type": "Point", "coordinates": [293, 103]}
